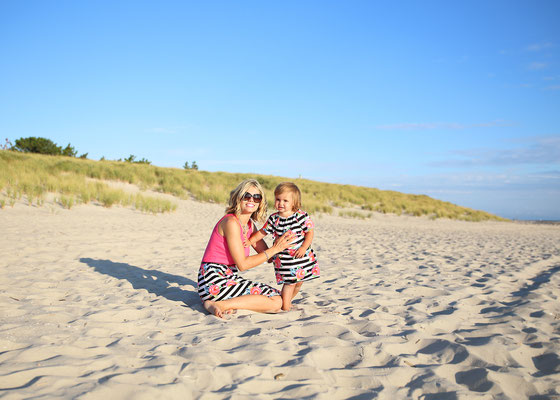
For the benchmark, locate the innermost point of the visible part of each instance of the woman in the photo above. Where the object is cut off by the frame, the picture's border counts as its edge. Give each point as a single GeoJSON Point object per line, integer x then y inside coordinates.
{"type": "Point", "coordinates": [220, 287]}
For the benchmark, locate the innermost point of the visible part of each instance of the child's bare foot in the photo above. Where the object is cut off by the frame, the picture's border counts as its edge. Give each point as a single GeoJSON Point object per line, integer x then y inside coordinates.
{"type": "Point", "coordinates": [286, 306]}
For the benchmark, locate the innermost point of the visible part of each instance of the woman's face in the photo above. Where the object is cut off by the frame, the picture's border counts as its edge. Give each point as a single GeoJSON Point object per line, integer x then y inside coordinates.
{"type": "Point", "coordinates": [248, 203]}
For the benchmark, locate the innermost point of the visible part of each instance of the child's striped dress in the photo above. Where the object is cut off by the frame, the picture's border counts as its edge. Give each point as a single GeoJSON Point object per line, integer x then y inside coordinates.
{"type": "Point", "coordinates": [290, 270]}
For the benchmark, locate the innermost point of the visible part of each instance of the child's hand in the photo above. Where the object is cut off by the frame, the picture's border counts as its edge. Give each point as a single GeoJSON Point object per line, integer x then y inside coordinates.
{"type": "Point", "coordinates": [300, 252]}
{"type": "Point", "coordinates": [247, 243]}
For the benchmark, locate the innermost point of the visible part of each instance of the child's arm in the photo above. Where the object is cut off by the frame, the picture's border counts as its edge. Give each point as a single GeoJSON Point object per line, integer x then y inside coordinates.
{"type": "Point", "coordinates": [305, 245]}
{"type": "Point", "coordinates": [255, 238]}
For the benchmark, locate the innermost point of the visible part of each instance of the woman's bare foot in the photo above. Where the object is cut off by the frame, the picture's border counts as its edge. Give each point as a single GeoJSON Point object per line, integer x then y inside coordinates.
{"type": "Point", "coordinates": [213, 307]}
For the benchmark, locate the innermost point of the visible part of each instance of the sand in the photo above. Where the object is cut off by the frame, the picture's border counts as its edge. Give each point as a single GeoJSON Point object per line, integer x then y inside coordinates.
{"type": "Point", "coordinates": [100, 303]}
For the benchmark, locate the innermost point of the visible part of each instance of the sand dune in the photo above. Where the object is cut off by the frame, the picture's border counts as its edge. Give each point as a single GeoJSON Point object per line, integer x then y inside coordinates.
{"type": "Point", "coordinates": [101, 303]}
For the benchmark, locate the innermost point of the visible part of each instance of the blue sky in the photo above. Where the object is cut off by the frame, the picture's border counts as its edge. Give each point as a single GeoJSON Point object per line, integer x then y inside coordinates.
{"type": "Point", "coordinates": [456, 100]}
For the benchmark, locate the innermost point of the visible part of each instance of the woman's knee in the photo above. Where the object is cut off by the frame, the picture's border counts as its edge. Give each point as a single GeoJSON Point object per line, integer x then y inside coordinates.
{"type": "Point", "coordinates": [276, 303]}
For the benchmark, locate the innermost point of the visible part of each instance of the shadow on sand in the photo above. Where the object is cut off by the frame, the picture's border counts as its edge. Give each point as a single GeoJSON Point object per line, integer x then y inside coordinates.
{"type": "Point", "coordinates": [156, 282]}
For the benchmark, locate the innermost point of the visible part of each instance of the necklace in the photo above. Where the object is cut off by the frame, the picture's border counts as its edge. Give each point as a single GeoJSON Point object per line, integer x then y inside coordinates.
{"type": "Point", "coordinates": [244, 228]}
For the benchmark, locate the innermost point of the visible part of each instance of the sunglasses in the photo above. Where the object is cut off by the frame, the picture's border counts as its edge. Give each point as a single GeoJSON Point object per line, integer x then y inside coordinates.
{"type": "Point", "coordinates": [257, 198]}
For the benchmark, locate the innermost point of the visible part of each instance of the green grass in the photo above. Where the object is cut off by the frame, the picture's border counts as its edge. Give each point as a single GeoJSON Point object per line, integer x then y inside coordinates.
{"type": "Point", "coordinates": [83, 181]}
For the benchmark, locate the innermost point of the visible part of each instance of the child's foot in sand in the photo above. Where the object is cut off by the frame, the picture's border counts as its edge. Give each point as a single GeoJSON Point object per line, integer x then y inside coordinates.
{"type": "Point", "coordinates": [286, 307]}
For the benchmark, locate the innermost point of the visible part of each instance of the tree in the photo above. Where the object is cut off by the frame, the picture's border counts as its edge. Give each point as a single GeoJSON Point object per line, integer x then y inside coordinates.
{"type": "Point", "coordinates": [186, 166]}
{"type": "Point", "coordinates": [194, 165]}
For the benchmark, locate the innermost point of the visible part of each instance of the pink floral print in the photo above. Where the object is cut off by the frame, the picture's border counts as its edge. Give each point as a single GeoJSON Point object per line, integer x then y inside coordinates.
{"type": "Point", "coordinates": [214, 290]}
{"type": "Point", "coordinates": [309, 224]}
{"type": "Point", "coordinates": [256, 290]}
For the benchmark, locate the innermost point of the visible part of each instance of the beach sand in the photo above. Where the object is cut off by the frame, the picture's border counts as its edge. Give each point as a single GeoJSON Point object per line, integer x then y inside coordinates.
{"type": "Point", "coordinates": [100, 303]}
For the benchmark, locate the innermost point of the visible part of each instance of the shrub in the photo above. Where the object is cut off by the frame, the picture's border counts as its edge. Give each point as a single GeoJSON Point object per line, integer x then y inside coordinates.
{"type": "Point", "coordinates": [69, 151]}
{"type": "Point", "coordinates": [37, 145]}
{"type": "Point", "coordinates": [41, 145]}
{"type": "Point", "coordinates": [132, 159]}
{"type": "Point", "coordinates": [194, 166]}
{"type": "Point", "coordinates": [7, 145]}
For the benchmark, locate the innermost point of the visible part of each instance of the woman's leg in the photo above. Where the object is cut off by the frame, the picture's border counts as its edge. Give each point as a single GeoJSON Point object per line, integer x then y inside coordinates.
{"type": "Point", "coordinates": [252, 302]}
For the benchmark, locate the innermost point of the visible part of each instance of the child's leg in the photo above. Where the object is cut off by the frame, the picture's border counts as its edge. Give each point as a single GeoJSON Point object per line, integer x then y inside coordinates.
{"type": "Point", "coordinates": [296, 289]}
{"type": "Point", "coordinates": [287, 296]}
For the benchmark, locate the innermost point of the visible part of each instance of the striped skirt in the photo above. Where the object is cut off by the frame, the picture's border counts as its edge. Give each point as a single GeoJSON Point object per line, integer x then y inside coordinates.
{"type": "Point", "coordinates": [221, 282]}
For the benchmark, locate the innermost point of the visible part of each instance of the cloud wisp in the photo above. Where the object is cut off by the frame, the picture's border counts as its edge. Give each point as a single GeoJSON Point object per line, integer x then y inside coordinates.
{"type": "Point", "coordinates": [539, 46]}
{"type": "Point", "coordinates": [537, 66]}
{"type": "Point", "coordinates": [543, 151]}
{"type": "Point", "coordinates": [443, 125]}
{"type": "Point", "coordinates": [170, 130]}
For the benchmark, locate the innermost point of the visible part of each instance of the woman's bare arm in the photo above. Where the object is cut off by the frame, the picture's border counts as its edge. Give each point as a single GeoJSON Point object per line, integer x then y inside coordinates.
{"type": "Point", "coordinates": [231, 232]}
{"type": "Point", "coordinates": [256, 237]}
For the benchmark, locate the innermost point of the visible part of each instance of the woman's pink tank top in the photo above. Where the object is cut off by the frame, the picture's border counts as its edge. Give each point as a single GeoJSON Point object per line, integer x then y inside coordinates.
{"type": "Point", "coordinates": [217, 250]}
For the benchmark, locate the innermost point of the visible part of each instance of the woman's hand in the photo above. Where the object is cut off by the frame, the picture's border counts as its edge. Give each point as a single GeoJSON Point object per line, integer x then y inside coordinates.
{"type": "Point", "coordinates": [284, 241]}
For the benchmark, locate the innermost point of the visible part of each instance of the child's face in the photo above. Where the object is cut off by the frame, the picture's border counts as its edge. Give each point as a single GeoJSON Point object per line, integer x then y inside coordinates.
{"type": "Point", "coordinates": [284, 203]}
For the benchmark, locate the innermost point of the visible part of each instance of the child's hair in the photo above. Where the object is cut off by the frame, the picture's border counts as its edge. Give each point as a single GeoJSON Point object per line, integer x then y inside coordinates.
{"type": "Point", "coordinates": [293, 189]}
{"type": "Point", "coordinates": [236, 194]}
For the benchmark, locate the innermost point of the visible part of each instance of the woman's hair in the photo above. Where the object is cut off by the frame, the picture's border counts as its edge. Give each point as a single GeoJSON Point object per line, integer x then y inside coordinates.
{"type": "Point", "coordinates": [293, 189]}
{"type": "Point", "coordinates": [236, 194]}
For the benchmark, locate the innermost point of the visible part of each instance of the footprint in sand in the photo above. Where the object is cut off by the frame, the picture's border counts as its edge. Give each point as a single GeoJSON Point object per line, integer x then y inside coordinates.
{"type": "Point", "coordinates": [547, 364]}
{"type": "Point", "coordinates": [475, 379]}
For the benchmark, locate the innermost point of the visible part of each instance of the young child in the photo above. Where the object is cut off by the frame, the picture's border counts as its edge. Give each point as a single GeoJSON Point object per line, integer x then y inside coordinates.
{"type": "Point", "coordinates": [297, 263]}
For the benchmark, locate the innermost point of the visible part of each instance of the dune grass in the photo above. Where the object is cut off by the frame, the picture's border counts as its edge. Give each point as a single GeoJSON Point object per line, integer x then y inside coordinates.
{"type": "Point", "coordinates": [82, 181]}
{"type": "Point", "coordinates": [33, 176]}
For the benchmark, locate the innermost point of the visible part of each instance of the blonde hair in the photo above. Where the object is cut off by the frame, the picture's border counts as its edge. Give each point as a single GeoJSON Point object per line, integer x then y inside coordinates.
{"type": "Point", "coordinates": [293, 189]}
{"type": "Point", "coordinates": [236, 194]}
